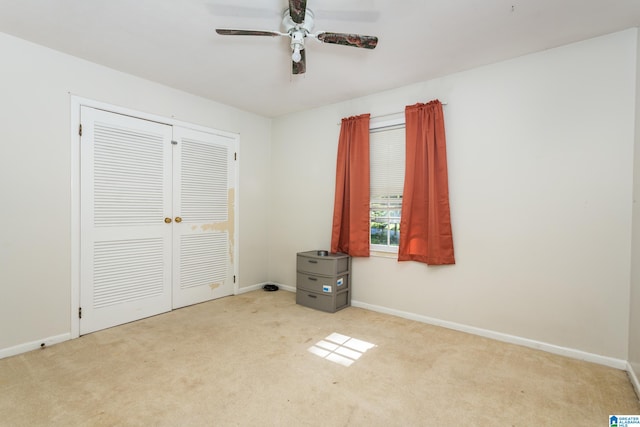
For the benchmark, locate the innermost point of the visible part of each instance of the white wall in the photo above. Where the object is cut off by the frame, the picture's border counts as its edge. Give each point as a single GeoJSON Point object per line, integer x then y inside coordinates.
{"type": "Point", "coordinates": [540, 165]}
{"type": "Point", "coordinates": [634, 318]}
{"type": "Point", "coordinates": [35, 166]}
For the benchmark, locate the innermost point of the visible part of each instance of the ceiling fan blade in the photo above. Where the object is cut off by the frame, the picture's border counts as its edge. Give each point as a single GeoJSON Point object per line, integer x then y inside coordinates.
{"type": "Point", "coordinates": [229, 32]}
{"type": "Point", "coordinates": [301, 66]}
{"type": "Point", "coordinates": [297, 10]}
{"type": "Point", "coordinates": [355, 40]}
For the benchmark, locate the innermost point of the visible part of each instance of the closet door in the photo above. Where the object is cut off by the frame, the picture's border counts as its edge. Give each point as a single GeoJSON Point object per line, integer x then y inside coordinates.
{"type": "Point", "coordinates": [125, 198]}
{"type": "Point", "coordinates": [204, 217]}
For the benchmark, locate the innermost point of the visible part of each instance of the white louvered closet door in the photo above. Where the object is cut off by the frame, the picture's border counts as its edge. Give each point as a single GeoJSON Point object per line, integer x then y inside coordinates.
{"type": "Point", "coordinates": [204, 230]}
{"type": "Point", "coordinates": [125, 185]}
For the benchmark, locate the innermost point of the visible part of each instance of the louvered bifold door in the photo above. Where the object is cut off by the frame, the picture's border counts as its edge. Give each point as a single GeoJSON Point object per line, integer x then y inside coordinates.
{"type": "Point", "coordinates": [204, 223]}
{"type": "Point", "coordinates": [125, 185]}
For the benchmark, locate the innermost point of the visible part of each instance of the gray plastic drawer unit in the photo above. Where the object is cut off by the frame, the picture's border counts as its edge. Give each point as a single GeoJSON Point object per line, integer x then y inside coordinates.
{"type": "Point", "coordinates": [322, 284]}
{"type": "Point", "coordinates": [326, 303]}
{"type": "Point", "coordinates": [329, 265]}
{"type": "Point", "coordinates": [323, 281]}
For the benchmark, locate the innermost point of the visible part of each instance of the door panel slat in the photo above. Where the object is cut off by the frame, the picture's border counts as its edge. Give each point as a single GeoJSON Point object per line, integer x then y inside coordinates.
{"type": "Point", "coordinates": [203, 183]}
{"type": "Point", "coordinates": [127, 163]}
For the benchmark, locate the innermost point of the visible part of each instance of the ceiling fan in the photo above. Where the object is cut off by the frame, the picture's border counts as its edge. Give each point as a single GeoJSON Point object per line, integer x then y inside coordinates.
{"type": "Point", "coordinates": [297, 22]}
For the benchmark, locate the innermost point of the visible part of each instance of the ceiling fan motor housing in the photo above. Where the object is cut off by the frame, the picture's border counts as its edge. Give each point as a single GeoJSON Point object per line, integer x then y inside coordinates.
{"type": "Point", "coordinates": [297, 32]}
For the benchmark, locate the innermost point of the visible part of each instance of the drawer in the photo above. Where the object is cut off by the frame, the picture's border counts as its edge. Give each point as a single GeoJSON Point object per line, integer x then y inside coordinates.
{"type": "Point", "coordinates": [322, 284]}
{"type": "Point", "coordinates": [327, 265]}
{"type": "Point", "coordinates": [328, 303]}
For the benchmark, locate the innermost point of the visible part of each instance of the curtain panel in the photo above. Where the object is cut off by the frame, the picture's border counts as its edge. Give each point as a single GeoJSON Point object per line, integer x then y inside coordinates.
{"type": "Point", "coordinates": [350, 233]}
{"type": "Point", "coordinates": [425, 225]}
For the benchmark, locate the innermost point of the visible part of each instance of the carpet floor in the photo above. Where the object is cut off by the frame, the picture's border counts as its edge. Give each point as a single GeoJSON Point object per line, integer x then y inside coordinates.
{"type": "Point", "coordinates": [258, 359]}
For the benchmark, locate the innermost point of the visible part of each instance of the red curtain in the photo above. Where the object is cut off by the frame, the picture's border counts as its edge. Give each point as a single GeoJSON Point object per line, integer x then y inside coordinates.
{"type": "Point", "coordinates": [350, 232]}
{"type": "Point", "coordinates": [425, 226]}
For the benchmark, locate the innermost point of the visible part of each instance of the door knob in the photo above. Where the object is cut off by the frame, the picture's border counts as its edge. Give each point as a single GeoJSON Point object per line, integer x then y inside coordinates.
{"type": "Point", "coordinates": [167, 220]}
{"type": "Point", "coordinates": [178, 219]}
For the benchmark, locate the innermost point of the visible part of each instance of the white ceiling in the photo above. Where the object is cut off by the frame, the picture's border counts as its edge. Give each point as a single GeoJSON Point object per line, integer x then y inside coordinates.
{"type": "Point", "coordinates": [173, 42]}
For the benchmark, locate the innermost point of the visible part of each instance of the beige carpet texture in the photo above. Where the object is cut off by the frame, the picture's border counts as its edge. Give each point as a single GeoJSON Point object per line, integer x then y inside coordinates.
{"type": "Point", "coordinates": [258, 359]}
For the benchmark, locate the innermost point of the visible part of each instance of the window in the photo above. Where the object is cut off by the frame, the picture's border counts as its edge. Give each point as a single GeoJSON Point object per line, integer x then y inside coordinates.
{"type": "Point", "coordinates": [387, 158]}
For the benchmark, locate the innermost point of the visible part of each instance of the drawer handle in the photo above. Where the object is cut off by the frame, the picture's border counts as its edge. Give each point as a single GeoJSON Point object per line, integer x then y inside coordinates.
{"type": "Point", "coordinates": [313, 279]}
{"type": "Point", "coordinates": [312, 296]}
{"type": "Point", "coordinates": [313, 261]}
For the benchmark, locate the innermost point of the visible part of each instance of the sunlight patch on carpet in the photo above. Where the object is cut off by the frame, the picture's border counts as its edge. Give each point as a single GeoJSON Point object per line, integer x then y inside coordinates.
{"type": "Point", "coordinates": [340, 349]}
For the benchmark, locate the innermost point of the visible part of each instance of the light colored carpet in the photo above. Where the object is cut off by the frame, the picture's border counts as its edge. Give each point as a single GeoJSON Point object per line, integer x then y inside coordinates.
{"type": "Point", "coordinates": [245, 361]}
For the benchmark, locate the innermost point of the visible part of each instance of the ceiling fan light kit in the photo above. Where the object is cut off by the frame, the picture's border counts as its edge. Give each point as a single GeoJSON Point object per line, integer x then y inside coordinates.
{"type": "Point", "coordinates": [298, 23]}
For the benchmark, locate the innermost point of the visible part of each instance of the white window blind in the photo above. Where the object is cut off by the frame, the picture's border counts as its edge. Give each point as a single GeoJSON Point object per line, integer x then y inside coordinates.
{"type": "Point", "coordinates": [387, 152]}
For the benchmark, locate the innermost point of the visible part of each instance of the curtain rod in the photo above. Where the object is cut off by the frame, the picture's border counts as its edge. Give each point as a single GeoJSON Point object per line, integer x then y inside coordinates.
{"type": "Point", "coordinates": [393, 114]}
{"type": "Point", "coordinates": [387, 114]}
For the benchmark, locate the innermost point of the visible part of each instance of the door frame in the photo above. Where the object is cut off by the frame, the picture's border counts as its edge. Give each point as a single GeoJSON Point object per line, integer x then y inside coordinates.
{"type": "Point", "coordinates": [76, 103]}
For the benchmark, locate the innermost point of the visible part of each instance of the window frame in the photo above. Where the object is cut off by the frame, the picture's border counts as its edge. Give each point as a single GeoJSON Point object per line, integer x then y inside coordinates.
{"type": "Point", "coordinates": [380, 126]}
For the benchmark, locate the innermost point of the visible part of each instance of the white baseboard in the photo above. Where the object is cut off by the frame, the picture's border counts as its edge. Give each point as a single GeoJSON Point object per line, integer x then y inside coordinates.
{"type": "Point", "coordinates": [259, 286]}
{"type": "Point", "coordinates": [550, 348]}
{"type": "Point", "coordinates": [285, 287]}
{"type": "Point", "coordinates": [251, 288]}
{"type": "Point", "coordinates": [33, 345]}
{"type": "Point", "coordinates": [498, 336]}
{"type": "Point", "coordinates": [634, 379]}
